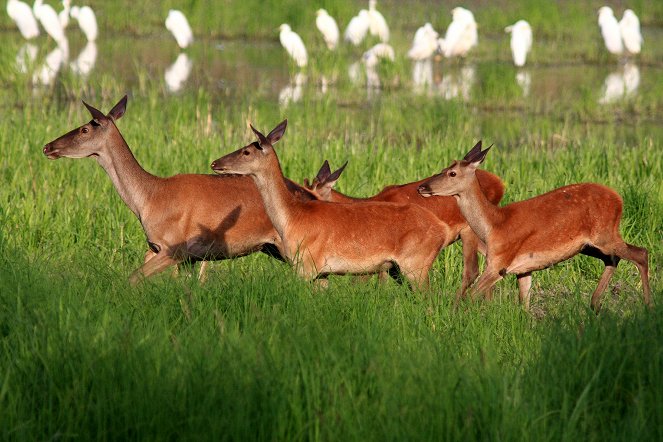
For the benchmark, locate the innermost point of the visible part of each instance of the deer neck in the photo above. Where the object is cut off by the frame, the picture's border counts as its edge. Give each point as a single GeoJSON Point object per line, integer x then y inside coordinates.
{"type": "Point", "coordinates": [280, 204]}
{"type": "Point", "coordinates": [479, 212]}
{"type": "Point", "coordinates": [131, 181]}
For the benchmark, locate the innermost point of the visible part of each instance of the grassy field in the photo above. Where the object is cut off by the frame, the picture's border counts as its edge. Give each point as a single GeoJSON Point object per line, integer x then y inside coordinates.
{"type": "Point", "coordinates": [256, 353]}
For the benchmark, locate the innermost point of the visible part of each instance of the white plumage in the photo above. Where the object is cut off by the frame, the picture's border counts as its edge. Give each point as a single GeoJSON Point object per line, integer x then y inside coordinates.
{"type": "Point", "coordinates": [461, 34]}
{"type": "Point", "coordinates": [521, 41]}
{"type": "Point", "coordinates": [327, 27]}
{"type": "Point", "coordinates": [424, 43]}
{"type": "Point", "coordinates": [293, 44]}
{"type": "Point", "coordinates": [629, 27]}
{"type": "Point", "coordinates": [178, 25]}
{"type": "Point", "coordinates": [377, 52]}
{"type": "Point", "coordinates": [63, 16]}
{"type": "Point", "coordinates": [22, 15]}
{"type": "Point", "coordinates": [377, 23]}
{"type": "Point", "coordinates": [49, 21]}
{"type": "Point", "coordinates": [357, 28]}
{"type": "Point", "coordinates": [610, 31]}
{"type": "Point", "coordinates": [87, 21]}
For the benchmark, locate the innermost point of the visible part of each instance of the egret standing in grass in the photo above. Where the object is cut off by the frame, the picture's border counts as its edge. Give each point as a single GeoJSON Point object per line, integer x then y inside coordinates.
{"type": "Point", "coordinates": [424, 43]}
{"type": "Point", "coordinates": [612, 35]}
{"type": "Point", "coordinates": [328, 28]}
{"type": "Point", "coordinates": [87, 21]}
{"type": "Point", "coordinates": [357, 28]}
{"type": "Point", "coordinates": [461, 34]}
{"type": "Point", "coordinates": [178, 25]}
{"type": "Point", "coordinates": [49, 21]}
{"type": "Point", "coordinates": [629, 27]}
{"type": "Point", "coordinates": [293, 44]}
{"type": "Point", "coordinates": [22, 15]}
{"type": "Point", "coordinates": [521, 41]}
{"type": "Point", "coordinates": [377, 23]}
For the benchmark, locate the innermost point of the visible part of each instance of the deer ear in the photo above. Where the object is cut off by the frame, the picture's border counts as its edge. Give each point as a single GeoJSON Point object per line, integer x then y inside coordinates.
{"type": "Point", "coordinates": [277, 132]}
{"type": "Point", "coordinates": [119, 109]}
{"type": "Point", "coordinates": [474, 151]}
{"type": "Point", "coordinates": [336, 175]}
{"type": "Point", "coordinates": [478, 158]}
{"type": "Point", "coordinates": [96, 113]}
{"type": "Point", "coordinates": [323, 173]}
{"type": "Point", "coordinates": [261, 138]}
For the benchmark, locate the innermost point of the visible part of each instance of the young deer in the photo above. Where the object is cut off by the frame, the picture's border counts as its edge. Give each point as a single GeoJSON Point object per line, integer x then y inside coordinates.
{"type": "Point", "coordinates": [322, 238]}
{"type": "Point", "coordinates": [444, 208]}
{"type": "Point", "coordinates": [539, 232]}
{"type": "Point", "coordinates": [186, 218]}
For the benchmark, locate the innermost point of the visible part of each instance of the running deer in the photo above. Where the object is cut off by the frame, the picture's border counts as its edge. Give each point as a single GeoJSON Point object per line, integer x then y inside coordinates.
{"type": "Point", "coordinates": [539, 232]}
{"type": "Point", "coordinates": [443, 207]}
{"type": "Point", "coordinates": [322, 238]}
{"type": "Point", "coordinates": [186, 218]}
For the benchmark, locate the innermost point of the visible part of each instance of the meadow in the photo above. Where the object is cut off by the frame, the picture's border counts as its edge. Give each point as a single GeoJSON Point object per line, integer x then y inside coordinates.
{"type": "Point", "coordinates": [255, 352]}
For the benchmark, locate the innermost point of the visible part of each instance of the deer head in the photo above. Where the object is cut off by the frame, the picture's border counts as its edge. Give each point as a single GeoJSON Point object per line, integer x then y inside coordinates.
{"type": "Point", "coordinates": [253, 157]}
{"type": "Point", "coordinates": [457, 177]}
{"type": "Point", "coordinates": [90, 139]}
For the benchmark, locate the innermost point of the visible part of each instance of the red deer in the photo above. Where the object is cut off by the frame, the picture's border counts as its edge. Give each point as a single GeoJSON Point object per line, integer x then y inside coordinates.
{"type": "Point", "coordinates": [186, 218]}
{"type": "Point", "coordinates": [322, 238]}
{"type": "Point", "coordinates": [539, 232]}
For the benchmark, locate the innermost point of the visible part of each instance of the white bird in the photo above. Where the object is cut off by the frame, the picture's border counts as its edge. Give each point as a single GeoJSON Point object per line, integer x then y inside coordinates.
{"type": "Point", "coordinates": [293, 44]}
{"type": "Point", "coordinates": [87, 21]}
{"type": "Point", "coordinates": [327, 27]}
{"type": "Point", "coordinates": [377, 52]}
{"type": "Point", "coordinates": [521, 41]}
{"type": "Point", "coordinates": [63, 16]}
{"type": "Point", "coordinates": [377, 23]}
{"type": "Point", "coordinates": [424, 43]}
{"type": "Point", "coordinates": [49, 21]}
{"type": "Point", "coordinates": [612, 35]}
{"type": "Point", "coordinates": [178, 73]}
{"type": "Point", "coordinates": [629, 27]}
{"type": "Point", "coordinates": [22, 15]}
{"type": "Point", "coordinates": [85, 61]}
{"type": "Point", "coordinates": [178, 25]}
{"type": "Point", "coordinates": [461, 34]}
{"type": "Point", "coordinates": [357, 28]}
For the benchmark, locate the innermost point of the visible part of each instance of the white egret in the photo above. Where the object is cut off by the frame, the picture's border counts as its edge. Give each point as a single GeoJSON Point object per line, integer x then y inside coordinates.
{"type": "Point", "coordinates": [461, 34]}
{"type": "Point", "coordinates": [293, 44]}
{"type": "Point", "coordinates": [357, 28]}
{"type": "Point", "coordinates": [87, 21]}
{"type": "Point", "coordinates": [63, 16]}
{"type": "Point", "coordinates": [629, 27]}
{"type": "Point", "coordinates": [85, 61]}
{"type": "Point", "coordinates": [612, 35]}
{"type": "Point", "coordinates": [377, 52]}
{"type": "Point", "coordinates": [424, 43]}
{"type": "Point", "coordinates": [178, 25]}
{"type": "Point", "coordinates": [327, 27]}
{"type": "Point", "coordinates": [177, 74]}
{"type": "Point", "coordinates": [521, 41]}
{"type": "Point", "coordinates": [377, 23]}
{"type": "Point", "coordinates": [22, 15]}
{"type": "Point", "coordinates": [49, 21]}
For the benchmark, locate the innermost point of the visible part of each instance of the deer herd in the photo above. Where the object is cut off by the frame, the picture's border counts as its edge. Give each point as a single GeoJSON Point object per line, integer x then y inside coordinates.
{"type": "Point", "coordinates": [249, 206]}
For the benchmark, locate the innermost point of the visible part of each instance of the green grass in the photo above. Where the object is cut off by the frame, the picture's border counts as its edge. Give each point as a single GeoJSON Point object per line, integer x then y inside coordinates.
{"type": "Point", "coordinates": [256, 353]}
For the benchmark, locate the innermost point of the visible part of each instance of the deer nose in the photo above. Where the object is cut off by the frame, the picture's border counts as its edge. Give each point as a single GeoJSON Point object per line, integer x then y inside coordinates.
{"type": "Point", "coordinates": [47, 149]}
{"type": "Point", "coordinates": [423, 188]}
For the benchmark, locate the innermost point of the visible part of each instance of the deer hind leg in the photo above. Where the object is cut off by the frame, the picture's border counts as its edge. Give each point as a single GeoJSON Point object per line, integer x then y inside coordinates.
{"type": "Point", "coordinates": [610, 262]}
{"type": "Point", "coordinates": [486, 281]}
{"type": "Point", "coordinates": [640, 257]}
{"type": "Point", "coordinates": [524, 285]}
{"type": "Point", "coordinates": [470, 242]}
{"type": "Point", "coordinates": [157, 264]}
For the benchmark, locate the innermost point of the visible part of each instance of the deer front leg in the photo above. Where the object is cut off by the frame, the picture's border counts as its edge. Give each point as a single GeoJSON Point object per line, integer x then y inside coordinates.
{"type": "Point", "coordinates": [470, 243]}
{"type": "Point", "coordinates": [524, 284]}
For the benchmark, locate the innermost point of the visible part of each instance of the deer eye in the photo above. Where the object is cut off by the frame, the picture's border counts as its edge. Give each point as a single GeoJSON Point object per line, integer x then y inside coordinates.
{"type": "Point", "coordinates": [246, 152]}
{"type": "Point", "coordinates": [452, 174]}
{"type": "Point", "coordinates": [85, 130]}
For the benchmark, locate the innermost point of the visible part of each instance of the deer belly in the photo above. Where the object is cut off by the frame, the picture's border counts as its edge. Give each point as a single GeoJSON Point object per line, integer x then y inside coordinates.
{"type": "Point", "coordinates": [536, 260]}
{"type": "Point", "coordinates": [341, 265]}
